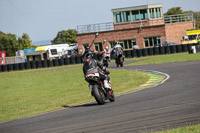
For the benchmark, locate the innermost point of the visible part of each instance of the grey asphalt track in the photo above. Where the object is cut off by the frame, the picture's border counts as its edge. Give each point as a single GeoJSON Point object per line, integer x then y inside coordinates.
{"type": "Point", "coordinates": [172, 104]}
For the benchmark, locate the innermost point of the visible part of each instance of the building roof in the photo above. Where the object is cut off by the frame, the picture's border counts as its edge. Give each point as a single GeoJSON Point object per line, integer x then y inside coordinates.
{"type": "Point", "coordinates": [136, 7]}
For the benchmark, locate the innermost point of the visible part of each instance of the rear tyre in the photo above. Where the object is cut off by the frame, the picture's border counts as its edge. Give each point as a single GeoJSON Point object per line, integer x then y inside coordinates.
{"type": "Point", "coordinates": [98, 95]}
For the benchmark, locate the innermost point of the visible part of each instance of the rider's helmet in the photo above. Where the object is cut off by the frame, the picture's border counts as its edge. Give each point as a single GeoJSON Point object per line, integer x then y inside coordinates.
{"type": "Point", "coordinates": [106, 47]}
{"type": "Point", "coordinates": [88, 55]}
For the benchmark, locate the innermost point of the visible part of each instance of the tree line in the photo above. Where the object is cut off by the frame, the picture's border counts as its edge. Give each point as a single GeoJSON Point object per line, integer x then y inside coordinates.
{"type": "Point", "coordinates": [10, 43]}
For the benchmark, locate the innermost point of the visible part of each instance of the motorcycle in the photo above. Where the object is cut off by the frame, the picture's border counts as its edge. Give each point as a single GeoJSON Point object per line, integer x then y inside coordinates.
{"type": "Point", "coordinates": [120, 59]}
{"type": "Point", "coordinates": [105, 60]}
{"type": "Point", "coordinates": [100, 93]}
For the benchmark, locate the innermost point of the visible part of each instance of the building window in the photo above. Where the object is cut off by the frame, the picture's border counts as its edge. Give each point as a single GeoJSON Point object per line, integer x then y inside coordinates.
{"type": "Point", "coordinates": [143, 14]}
{"type": "Point", "coordinates": [112, 44]}
{"type": "Point", "coordinates": [126, 16]}
{"type": "Point", "coordinates": [118, 17]}
{"type": "Point", "coordinates": [98, 47]}
{"type": "Point", "coordinates": [135, 15]}
{"type": "Point", "coordinates": [127, 44]}
{"type": "Point", "coordinates": [152, 41]}
{"type": "Point", "coordinates": [53, 51]}
{"type": "Point", "coordinates": [151, 13]}
{"type": "Point", "coordinates": [158, 13]}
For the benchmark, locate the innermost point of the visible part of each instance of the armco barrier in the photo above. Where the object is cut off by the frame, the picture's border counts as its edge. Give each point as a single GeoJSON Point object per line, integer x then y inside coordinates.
{"type": "Point", "coordinates": [72, 60]}
{"type": "Point", "coordinates": [161, 50]}
{"type": "Point", "coordinates": [61, 62]}
{"type": "Point", "coordinates": [21, 66]}
{"type": "Point", "coordinates": [167, 49]}
{"type": "Point", "coordinates": [50, 63]}
{"type": "Point", "coordinates": [172, 49]}
{"type": "Point", "coordinates": [156, 51]}
{"type": "Point", "coordinates": [28, 65]}
{"type": "Point", "coordinates": [44, 64]}
{"type": "Point", "coordinates": [55, 62]}
{"type": "Point", "coordinates": [144, 52]}
{"type": "Point", "coordinates": [66, 61]}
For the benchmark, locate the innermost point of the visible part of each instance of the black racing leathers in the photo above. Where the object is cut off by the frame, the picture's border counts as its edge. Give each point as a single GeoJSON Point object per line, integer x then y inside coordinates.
{"type": "Point", "coordinates": [93, 66]}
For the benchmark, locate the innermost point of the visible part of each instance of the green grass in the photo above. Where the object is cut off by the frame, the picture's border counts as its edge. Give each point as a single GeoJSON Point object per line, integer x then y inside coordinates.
{"type": "Point", "coordinates": [188, 129]}
{"type": "Point", "coordinates": [31, 92]}
{"type": "Point", "coordinates": [181, 57]}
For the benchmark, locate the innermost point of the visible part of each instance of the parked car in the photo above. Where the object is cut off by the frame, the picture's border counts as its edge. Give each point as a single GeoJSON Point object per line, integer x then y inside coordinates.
{"type": "Point", "coordinates": [169, 44]}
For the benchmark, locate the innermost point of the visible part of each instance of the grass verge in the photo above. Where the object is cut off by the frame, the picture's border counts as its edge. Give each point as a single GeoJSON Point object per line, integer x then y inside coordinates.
{"type": "Point", "coordinates": [158, 59]}
{"type": "Point", "coordinates": [26, 93]}
{"type": "Point", "coordinates": [188, 129]}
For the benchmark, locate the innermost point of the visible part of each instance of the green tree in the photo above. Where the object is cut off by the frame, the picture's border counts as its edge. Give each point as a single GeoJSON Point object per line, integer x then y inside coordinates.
{"type": "Point", "coordinates": [174, 10]}
{"type": "Point", "coordinates": [24, 42]}
{"type": "Point", "coordinates": [8, 43]}
{"type": "Point", "coordinates": [65, 36]}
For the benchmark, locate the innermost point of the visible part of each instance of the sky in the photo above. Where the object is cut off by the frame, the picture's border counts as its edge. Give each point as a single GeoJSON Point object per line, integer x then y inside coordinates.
{"type": "Point", "coordinates": [42, 19]}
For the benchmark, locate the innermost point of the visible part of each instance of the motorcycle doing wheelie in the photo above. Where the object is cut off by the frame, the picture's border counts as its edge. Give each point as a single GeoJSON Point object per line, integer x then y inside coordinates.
{"type": "Point", "coordinates": [119, 59]}
{"type": "Point", "coordinates": [98, 90]}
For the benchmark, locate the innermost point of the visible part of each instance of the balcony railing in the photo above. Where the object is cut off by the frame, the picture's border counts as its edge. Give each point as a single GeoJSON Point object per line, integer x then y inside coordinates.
{"type": "Point", "coordinates": [133, 24]}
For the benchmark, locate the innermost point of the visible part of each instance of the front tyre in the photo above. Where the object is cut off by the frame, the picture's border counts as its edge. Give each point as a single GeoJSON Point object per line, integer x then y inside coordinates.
{"type": "Point", "coordinates": [112, 97]}
{"type": "Point", "coordinates": [98, 95]}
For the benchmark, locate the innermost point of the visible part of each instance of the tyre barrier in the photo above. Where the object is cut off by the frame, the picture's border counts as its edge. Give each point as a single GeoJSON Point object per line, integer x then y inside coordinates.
{"type": "Point", "coordinates": [172, 49]}
{"type": "Point", "coordinates": [139, 52]}
{"type": "Point", "coordinates": [61, 61]}
{"type": "Point", "coordinates": [66, 61]}
{"type": "Point", "coordinates": [167, 49]}
{"type": "Point", "coordinates": [55, 62]}
{"type": "Point", "coordinates": [4, 68]}
{"type": "Point", "coordinates": [161, 50]}
{"type": "Point", "coordinates": [0, 68]}
{"type": "Point", "coordinates": [78, 59]}
{"type": "Point", "coordinates": [150, 51]}
{"type": "Point", "coordinates": [178, 48]}
{"type": "Point", "coordinates": [128, 54]}
{"type": "Point", "coordinates": [44, 64]}
{"type": "Point", "coordinates": [144, 52]}
{"type": "Point", "coordinates": [156, 51]}
{"type": "Point", "coordinates": [10, 67]}
{"type": "Point", "coordinates": [50, 63]}
{"type": "Point", "coordinates": [39, 64]}
{"type": "Point", "coordinates": [21, 66]}
{"type": "Point", "coordinates": [133, 53]}
{"type": "Point", "coordinates": [16, 67]}
{"type": "Point", "coordinates": [33, 65]}
{"type": "Point", "coordinates": [28, 65]}
{"type": "Point", "coordinates": [184, 48]}
{"type": "Point", "coordinates": [72, 60]}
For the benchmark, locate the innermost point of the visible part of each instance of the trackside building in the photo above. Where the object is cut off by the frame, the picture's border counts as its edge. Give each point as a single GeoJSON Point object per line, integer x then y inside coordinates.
{"type": "Point", "coordinates": [138, 26]}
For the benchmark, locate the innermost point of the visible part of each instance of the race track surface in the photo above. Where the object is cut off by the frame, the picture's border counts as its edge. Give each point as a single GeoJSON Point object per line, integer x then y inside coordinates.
{"type": "Point", "coordinates": [172, 104]}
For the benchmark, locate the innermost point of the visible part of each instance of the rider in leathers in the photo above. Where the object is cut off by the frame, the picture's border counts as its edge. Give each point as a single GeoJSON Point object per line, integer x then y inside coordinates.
{"type": "Point", "coordinates": [93, 66]}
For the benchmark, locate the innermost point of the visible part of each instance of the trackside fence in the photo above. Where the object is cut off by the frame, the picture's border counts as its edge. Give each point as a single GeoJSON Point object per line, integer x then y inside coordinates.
{"type": "Point", "coordinates": [135, 53]}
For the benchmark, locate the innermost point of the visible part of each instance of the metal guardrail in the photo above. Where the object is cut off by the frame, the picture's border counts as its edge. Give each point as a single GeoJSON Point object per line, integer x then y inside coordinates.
{"type": "Point", "coordinates": [178, 18]}
{"type": "Point", "coordinates": [110, 25]}
{"type": "Point", "coordinates": [95, 27]}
